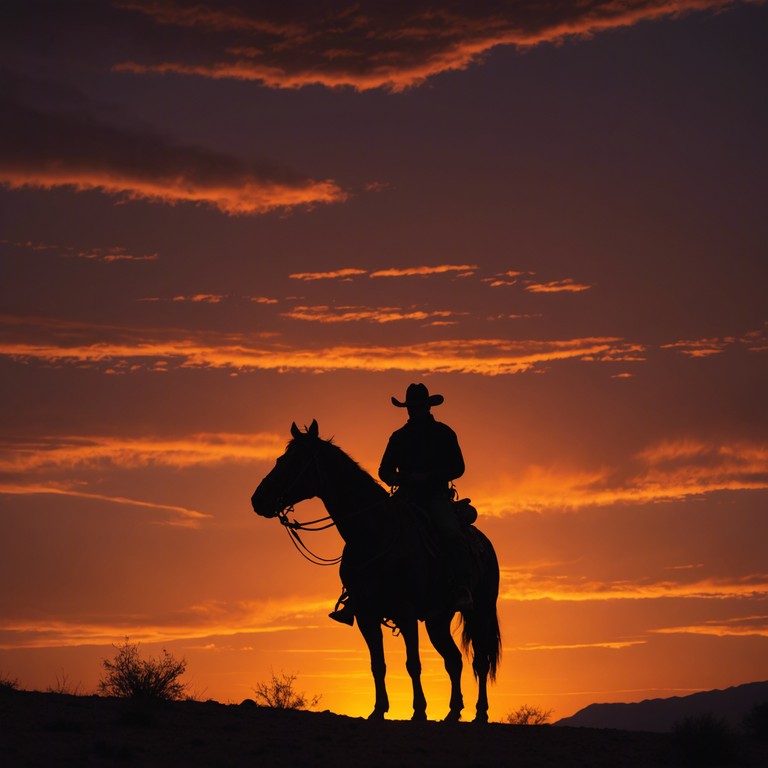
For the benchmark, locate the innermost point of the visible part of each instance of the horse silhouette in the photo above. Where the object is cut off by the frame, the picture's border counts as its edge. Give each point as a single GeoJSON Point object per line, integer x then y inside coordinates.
{"type": "Point", "coordinates": [383, 568]}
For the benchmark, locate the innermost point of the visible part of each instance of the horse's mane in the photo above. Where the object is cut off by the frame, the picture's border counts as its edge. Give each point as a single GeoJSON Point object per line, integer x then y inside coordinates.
{"type": "Point", "coordinates": [343, 462]}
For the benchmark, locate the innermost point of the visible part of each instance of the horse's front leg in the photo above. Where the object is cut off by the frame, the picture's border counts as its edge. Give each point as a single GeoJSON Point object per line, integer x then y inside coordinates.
{"type": "Point", "coordinates": [410, 632]}
{"type": "Point", "coordinates": [370, 628]}
{"type": "Point", "coordinates": [439, 631]}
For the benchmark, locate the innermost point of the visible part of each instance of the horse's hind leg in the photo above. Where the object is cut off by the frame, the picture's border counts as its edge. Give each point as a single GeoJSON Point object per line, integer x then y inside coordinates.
{"type": "Point", "coordinates": [370, 628]}
{"type": "Point", "coordinates": [439, 631]}
{"type": "Point", "coordinates": [481, 711]}
{"type": "Point", "coordinates": [410, 632]}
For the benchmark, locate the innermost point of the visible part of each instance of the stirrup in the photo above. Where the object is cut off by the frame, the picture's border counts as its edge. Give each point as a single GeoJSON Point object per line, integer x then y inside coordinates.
{"type": "Point", "coordinates": [342, 611]}
{"type": "Point", "coordinates": [344, 615]}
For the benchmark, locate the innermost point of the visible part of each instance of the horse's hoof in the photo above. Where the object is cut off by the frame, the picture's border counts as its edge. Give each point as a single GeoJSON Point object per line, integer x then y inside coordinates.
{"type": "Point", "coordinates": [377, 714]}
{"type": "Point", "coordinates": [481, 719]}
{"type": "Point", "coordinates": [452, 717]}
{"type": "Point", "coordinates": [419, 716]}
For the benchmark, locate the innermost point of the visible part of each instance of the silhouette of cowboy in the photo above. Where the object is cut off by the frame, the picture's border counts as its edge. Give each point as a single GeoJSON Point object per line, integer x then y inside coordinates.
{"type": "Point", "coordinates": [423, 456]}
{"type": "Point", "coordinates": [420, 460]}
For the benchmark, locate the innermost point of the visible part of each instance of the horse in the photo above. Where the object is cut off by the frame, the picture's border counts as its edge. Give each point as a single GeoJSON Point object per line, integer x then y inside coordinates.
{"type": "Point", "coordinates": [378, 571]}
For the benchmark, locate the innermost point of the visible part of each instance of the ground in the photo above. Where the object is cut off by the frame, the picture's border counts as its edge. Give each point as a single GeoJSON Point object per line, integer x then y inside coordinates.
{"type": "Point", "coordinates": [47, 729]}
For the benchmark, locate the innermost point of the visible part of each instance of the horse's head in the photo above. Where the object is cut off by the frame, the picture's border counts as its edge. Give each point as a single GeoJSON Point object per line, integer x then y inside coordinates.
{"type": "Point", "coordinates": [295, 476]}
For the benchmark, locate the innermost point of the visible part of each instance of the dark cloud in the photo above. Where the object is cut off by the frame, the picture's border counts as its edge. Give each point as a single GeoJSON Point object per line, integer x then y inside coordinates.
{"type": "Point", "coordinates": [395, 45]}
{"type": "Point", "coordinates": [44, 144]}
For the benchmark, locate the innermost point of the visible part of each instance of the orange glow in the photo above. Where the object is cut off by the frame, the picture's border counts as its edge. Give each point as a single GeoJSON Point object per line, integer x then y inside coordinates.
{"type": "Point", "coordinates": [550, 214]}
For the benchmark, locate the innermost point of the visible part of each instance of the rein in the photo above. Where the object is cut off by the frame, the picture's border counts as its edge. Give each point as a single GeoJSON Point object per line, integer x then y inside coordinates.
{"type": "Point", "coordinates": [294, 526]}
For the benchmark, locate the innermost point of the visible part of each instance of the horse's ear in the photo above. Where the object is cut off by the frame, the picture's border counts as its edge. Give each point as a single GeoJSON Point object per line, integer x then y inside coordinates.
{"type": "Point", "coordinates": [295, 430]}
{"type": "Point", "coordinates": [313, 430]}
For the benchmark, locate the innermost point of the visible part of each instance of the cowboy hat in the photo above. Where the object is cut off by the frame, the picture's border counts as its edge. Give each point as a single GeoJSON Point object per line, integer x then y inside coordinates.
{"type": "Point", "coordinates": [418, 394]}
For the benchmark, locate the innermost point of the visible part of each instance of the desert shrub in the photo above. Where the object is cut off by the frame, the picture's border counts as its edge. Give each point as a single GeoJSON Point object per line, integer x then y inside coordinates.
{"type": "Point", "coordinates": [705, 740]}
{"type": "Point", "coordinates": [64, 685]}
{"type": "Point", "coordinates": [8, 683]}
{"type": "Point", "coordinates": [130, 676]}
{"type": "Point", "coordinates": [528, 715]}
{"type": "Point", "coordinates": [756, 721]}
{"type": "Point", "coordinates": [279, 693]}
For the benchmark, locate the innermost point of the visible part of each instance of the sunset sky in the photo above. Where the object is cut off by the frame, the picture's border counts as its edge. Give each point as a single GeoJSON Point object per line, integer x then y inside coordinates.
{"type": "Point", "coordinates": [220, 218]}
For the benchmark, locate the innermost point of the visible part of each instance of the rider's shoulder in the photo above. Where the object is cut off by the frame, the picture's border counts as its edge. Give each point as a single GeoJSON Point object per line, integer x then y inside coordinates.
{"type": "Point", "coordinates": [442, 427]}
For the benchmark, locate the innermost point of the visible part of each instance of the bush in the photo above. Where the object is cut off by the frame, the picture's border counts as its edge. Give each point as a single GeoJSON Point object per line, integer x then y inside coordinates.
{"type": "Point", "coordinates": [8, 683]}
{"type": "Point", "coordinates": [279, 693]}
{"type": "Point", "coordinates": [705, 740]}
{"type": "Point", "coordinates": [129, 676]}
{"type": "Point", "coordinates": [528, 715]}
{"type": "Point", "coordinates": [64, 685]}
{"type": "Point", "coordinates": [756, 721]}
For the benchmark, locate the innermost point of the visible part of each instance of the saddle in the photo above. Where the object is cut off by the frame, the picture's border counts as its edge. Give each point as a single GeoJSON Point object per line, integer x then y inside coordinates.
{"type": "Point", "coordinates": [424, 557]}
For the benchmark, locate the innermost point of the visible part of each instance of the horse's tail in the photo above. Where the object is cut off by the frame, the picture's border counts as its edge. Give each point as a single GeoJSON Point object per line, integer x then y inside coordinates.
{"type": "Point", "coordinates": [481, 636]}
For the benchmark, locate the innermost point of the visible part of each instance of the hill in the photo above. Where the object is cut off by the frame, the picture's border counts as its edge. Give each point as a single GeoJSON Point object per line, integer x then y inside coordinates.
{"type": "Point", "coordinates": [50, 729]}
{"type": "Point", "coordinates": [731, 704]}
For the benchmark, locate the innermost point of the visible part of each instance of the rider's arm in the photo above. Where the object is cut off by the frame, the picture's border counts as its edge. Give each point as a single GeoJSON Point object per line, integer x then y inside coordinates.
{"type": "Point", "coordinates": [453, 458]}
{"type": "Point", "coordinates": [388, 468]}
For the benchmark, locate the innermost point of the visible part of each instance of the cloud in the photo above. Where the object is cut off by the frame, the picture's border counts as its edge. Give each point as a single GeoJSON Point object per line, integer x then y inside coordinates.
{"type": "Point", "coordinates": [201, 298]}
{"type": "Point", "coordinates": [108, 255]}
{"type": "Point", "coordinates": [464, 269]}
{"type": "Point", "coordinates": [47, 149]}
{"type": "Point", "coordinates": [366, 45]}
{"type": "Point", "coordinates": [183, 517]}
{"type": "Point", "coordinates": [344, 314]}
{"type": "Point", "coordinates": [45, 456]}
{"type": "Point", "coordinates": [515, 316]}
{"type": "Point", "coordinates": [754, 341]}
{"type": "Point", "coordinates": [748, 626]}
{"type": "Point", "coordinates": [121, 350]}
{"type": "Point", "coordinates": [527, 585]}
{"type": "Point", "coordinates": [613, 646]}
{"type": "Point", "coordinates": [664, 472]}
{"type": "Point", "coordinates": [701, 347]}
{"type": "Point", "coordinates": [558, 286]}
{"type": "Point", "coordinates": [195, 622]}
{"type": "Point", "coordinates": [53, 453]}
{"type": "Point", "coordinates": [345, 274]}
{"type": "Point", "coordinates": [505, 278]}
{"type": "Point", "coordinates": [335, 275]}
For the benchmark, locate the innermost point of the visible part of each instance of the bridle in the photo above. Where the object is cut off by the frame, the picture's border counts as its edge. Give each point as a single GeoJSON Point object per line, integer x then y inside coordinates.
{"type": "Point", "coordinates": [293, 527]}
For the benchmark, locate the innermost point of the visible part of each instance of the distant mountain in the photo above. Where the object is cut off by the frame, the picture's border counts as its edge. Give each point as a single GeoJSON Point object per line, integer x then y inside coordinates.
{"type": "Point", "coordinates": [731, 704]}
